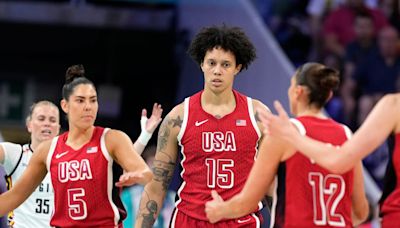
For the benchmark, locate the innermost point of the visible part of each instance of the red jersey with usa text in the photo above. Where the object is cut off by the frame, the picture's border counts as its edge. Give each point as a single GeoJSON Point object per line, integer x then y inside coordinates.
{"type": "Point", "coordinates": [83, 181]}
{"type": "Point", "coordinates": [217, 154]}
{"type": "Point", "coordinates": [309, 195]}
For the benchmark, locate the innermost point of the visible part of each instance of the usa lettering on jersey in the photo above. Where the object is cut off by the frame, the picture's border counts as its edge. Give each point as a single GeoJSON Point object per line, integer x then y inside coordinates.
{"type": "Point", "coordinates": [74, 170]}
{"type": "Point", "coordinates": [218, 141]}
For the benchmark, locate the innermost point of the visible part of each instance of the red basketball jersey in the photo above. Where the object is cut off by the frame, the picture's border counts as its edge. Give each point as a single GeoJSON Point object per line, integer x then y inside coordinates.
{"type": "Point", "coordinates": [390, 208]}
{"type": "Point", "coordinates": [217, 154]}
{"type": "Point", "coordinates": [84, 190]}
{"type": "Point", "coordinates": [307, 194]}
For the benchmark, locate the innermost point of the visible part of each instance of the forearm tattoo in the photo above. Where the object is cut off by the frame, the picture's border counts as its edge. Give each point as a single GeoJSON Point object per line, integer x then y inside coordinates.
{"type": "Point", "coordinates": [163, 172]}
{"type": "Point", "coordinates": [149, 217]}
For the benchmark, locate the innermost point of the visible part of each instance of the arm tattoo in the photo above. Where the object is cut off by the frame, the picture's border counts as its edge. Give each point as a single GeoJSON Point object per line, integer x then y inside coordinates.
{"type": "Point", "coordinates": [165, 131]}
{"type": "Point", "coordinates": [163, 172]}
{"type": "Point", "coordinates": [150, 217]}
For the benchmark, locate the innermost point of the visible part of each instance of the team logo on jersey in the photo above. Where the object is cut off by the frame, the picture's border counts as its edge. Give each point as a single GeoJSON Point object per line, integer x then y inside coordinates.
{"type": "Point", "coordinates": [92, 149]}
{"type": "Point", "coordinates": [59, 155]}
{"type": "Point", "coordinates": [198, 123]}
{"type": "Point", "coordinates": [218, 141]}
{"type": "Point", "coordinates": [241, 123]}
{"type": "Point", "coordinates": [74, 170]}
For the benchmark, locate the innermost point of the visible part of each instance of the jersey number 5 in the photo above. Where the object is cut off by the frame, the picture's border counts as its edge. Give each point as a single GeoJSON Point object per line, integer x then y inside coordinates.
{"type": "Point", "coordinates": [77, 206]}
{"type": "Point", "coordinates": [219, 173]}
{"type": "Point", "coordinates": [328, 191]}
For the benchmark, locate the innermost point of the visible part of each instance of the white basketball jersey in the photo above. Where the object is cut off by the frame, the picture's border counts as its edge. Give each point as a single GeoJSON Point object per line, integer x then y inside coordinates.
{"type": "Point", "coordinates": [37, 210]}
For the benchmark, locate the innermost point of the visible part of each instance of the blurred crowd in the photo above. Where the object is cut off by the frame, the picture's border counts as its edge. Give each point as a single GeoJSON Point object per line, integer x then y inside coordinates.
{"type": "Point", "coordinates": [358, 37]}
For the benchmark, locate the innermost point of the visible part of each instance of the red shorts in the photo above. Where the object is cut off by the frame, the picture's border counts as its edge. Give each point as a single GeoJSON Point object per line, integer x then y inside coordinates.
{"type": "Point", "coordinates": [181, 220]}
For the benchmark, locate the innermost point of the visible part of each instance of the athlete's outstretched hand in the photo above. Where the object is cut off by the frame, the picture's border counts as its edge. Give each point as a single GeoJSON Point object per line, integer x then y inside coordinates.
{"type": "Point", "coordinates": [150, 124]}
{"type": "Point", "coordinates": [129, 178]}
{"type": "Point", "coordinates": [213, 208]}
{"type": "Point", "coordinates": [278, 125]}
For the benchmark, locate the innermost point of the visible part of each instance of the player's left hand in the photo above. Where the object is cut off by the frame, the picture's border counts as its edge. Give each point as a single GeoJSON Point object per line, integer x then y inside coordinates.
{"type": "Point", "coordinates": [150, 124]}
{"type": "Point", "coordinates": [213, 207]}
{"type": "Point", "coordinates": [128, 179]}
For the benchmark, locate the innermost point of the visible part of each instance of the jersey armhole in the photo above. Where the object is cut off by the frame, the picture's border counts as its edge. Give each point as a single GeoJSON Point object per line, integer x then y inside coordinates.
{"type": "Point", "coordinates": [8, 177]}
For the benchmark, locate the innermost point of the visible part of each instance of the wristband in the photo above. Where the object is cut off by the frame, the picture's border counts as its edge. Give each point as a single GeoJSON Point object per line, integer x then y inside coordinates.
{"type": "Point", "coordinates": [144, 137]}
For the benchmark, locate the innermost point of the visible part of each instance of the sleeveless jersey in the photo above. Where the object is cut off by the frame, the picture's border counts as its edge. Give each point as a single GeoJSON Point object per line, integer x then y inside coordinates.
{"type": "Point", "coordinates": [390, 208]}
{"type": "Point", "coordinates": [307, 194]}
{"type": "Point", "coordinates": [84, 190]}
{"type": "Point", "coordinates": [37, 209]}
{"type": "Point", "coordinates": [217, 154]}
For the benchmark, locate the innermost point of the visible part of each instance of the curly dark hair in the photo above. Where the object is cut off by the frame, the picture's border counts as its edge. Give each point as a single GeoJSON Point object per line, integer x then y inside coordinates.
{"type": "Point", "coordinates": [228, 38]}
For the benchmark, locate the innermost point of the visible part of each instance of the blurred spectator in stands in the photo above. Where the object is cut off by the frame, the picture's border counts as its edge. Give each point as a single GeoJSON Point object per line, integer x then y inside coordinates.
{"type": "Point", "coordinates": [131, 197]}
{"type": "Point", "coordinates": [317, 10]}
{"type": "Point", "coordinates": [379, 73]}
{"type": "Point", "coordinates": [363, 45]}
{"type": "Point", "coordinates": [391, 8]}
{"type": "Point", "coordinates": [287, 20]}
{"type": "Point", "coordinates": [338, 29]}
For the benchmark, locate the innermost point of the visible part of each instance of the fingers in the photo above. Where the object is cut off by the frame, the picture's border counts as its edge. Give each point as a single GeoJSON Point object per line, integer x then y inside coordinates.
{"type": "Point", "coordinates": [216, 196]}
{"type": "Point", "coordinates": [157, 110]}
{"type": "Point", "coordinates": [144, 112]}
{"type": "Point", "coordinates": [281, 111]}
{"type": "Point", "coordinates": [127, 179]}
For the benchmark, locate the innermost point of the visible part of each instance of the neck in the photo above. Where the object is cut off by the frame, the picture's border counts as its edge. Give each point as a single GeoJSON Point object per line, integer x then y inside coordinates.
{"type": "Point", "coordinates": [225, 97]}
{"type": "Point", "coordinates": [77, 137]}
{"type": "Point", "coordinates": [312, 112]}
{"type": "Point", "coordinates": [33, 145]}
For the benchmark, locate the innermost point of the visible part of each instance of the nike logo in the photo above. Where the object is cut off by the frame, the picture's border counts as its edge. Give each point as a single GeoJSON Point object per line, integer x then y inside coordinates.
{"type": "Point", "coordinates": [197, 123]}
{"type": "Point", "coordinates": [61, 154]}
{"type": "Point", "coordinates": [243, 221]}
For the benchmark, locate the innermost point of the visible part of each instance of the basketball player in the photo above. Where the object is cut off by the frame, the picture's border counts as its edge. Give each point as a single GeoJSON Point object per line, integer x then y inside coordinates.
{"type": "Point", "coordinates": [383, 120]}
{"type": "Point", "coordinates": [43, 124]}
{"type": "Point", "coordinates": [218, 133]}
{"type": "Point", "coordinates": [81, 164]}
{"type": "Point", "coordinates": [307, 194]}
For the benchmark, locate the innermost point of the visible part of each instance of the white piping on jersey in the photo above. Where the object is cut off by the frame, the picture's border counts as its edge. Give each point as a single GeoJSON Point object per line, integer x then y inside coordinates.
{"type": "Point", "coordinates": [347, 131]}
{"type": "Point", "coordinates": [110, 186]}
{"type": "Point", "coordinates": [251, 115]}
{"type": "Point", "coordinates": [174, 217]}
{"type": "Point", "coordinates": [185, 118]}
{"type": "Point", "coordinates": [274, 202]}
{"type": "Point", "coordinates": [299, 126]}
{"type": "Point", "coordinates": [258, 222]}
{"type": "Point", "coordinates": [179, 137]}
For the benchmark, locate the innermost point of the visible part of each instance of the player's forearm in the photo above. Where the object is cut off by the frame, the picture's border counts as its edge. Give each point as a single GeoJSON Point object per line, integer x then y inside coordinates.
{"type": "Point", "coordinates": [9, 201]}
{"type": "Point", "coordinates": [149, 207]}
{"type": "Point", "coordinates": [323, 154]}
{"type": "Point", "coordinates": [147, 176]}
{"type": "Point", "coordinates": [236, 207]}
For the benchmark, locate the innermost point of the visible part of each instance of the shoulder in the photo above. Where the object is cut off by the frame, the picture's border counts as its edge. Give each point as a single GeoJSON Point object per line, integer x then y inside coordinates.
{"type": "Point", "coordinates": [11, 147]}
{"type": "Point", "coordinates": [259, 107]}
{"type": "Point", "coordinates": [177, 110]}
{"type": "Point", "coordinates": [114, 135]}
{"type": "Point", "coordinates": [390, 102]}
